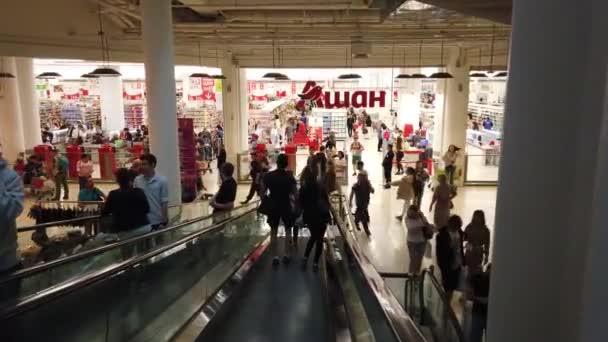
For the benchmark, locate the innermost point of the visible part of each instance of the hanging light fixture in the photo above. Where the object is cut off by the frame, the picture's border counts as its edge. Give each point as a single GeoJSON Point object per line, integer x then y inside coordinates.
{"type": "Point", "coordinates": [349, 76]}
{"type": "Point", "coordinates": [105, 70]}
{"type": "Point", "coordinates": [504, 73]}
{"type": "Point", "coordinates": [217, 62]}
{"type": "Point", "coordinates": [272, 74]}
{"type": "Point", "coordinates": [200, 63]}
{"type": "Point", "coordinates": [441, 74]}
{"type": "Point", "coordinates": [48, 75]}
{"type": "Point", "coordinates": [492, 50]}
{"type": "Point", "coordinates": [4, 74]}
{"type": "Point", "coordinates": [478, 74]}
{"type": "Point", "coordinates": [402, 76]}
{"type": "Point", "coordinates": [418, 74]}
{"type": "Point", "coordinates": [88, 76]}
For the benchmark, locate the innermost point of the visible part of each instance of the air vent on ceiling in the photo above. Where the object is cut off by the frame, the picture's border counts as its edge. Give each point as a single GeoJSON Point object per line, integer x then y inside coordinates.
{"type": "Point", "coordinates": [360, 56]}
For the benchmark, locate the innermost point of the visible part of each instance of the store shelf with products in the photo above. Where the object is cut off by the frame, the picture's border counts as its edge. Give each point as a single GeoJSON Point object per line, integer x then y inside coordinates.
{"type": "Point", "coordinates": [494, 112]}
{"type": "Point", "coordinates": [134, 115]}
{"type": "Point", "coordinates": [336, 121]}
{"type": "Point", "coordinates": [49, 112]}
{"type": "Point", "coordinates": [202, 117]}
{"type": "Point", "coordinates": [91, 108]}
{"type": "Point", "coordinates": [71, 113]}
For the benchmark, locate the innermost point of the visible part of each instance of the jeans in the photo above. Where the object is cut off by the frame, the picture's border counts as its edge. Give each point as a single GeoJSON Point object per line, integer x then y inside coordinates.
{"type": "Point", "coordinates": [61, 179]}
{"type": "Point", "coordinates": [449, 172]}
{"type": "Point", "coordinates": [379, 144]}
{"type": "Point", "coordinates": [350, 131]}
{"type": "Point", "coordinates": [418, 193]}
{"type": "Point", "coordinates": [317, 232]}
{"type": "Point", "coordinates": [82, 182]}
{"type": "Point", "coordinates": [388, 170]}
{"type": "Point", "coordinates": [478, 327]}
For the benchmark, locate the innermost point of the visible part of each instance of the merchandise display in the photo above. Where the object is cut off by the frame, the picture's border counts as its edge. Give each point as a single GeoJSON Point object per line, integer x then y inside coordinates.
{"type": "Point", "coordinates": [336, 121]}
{"type": "Point", "coordinates": [134, 115]}
{"type": "Point", "coordinates": [71, 113]}
{"type": "Point", "coordinates": [486, 100]}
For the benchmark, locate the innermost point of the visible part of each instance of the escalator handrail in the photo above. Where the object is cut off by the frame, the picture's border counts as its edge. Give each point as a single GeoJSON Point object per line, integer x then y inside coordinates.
{"type": "Point", "coordinates": [400, 322]}
{"type": "Point", "coordinates": [95, 251]}
{"type": "Point", "coordinates": [58, 223]}
{"type": "Point", "coordinates": [75, 284]}
{"type": "Point", "coordinates": [452, 316]}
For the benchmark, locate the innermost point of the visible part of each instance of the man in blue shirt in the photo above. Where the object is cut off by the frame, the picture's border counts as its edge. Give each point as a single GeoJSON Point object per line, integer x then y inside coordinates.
{"type": "Point", "coordinates": [487, 123]}
{"type": "Point", "coordinates": [156, 189]}
{"type": "Point", "coordinates": [11, 206]}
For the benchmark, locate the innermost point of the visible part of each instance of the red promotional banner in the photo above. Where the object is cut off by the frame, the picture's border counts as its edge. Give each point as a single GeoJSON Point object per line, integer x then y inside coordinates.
{"type": "Point", "coordinates": [71, 96]}
{"type": "Point", "coordinates": [281, 93]}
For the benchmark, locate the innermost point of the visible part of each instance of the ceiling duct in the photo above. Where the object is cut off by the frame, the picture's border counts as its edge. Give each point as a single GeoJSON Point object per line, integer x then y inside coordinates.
{"type": "Point", "coordinates": [361, 50]}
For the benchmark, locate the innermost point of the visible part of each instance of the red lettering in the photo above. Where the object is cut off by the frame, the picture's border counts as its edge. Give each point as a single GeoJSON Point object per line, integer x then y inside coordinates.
{"type": "Point", "coordinates": [337, 103]}
{"type": "Point", "coordinates": [359, 99]}
{"type": "Point", "coordinates": [381, 98]}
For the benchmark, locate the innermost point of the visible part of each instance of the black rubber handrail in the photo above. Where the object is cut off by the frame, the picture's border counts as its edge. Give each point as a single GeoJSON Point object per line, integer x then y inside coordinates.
{"type": "Point", "coordinates": [73, 285]}
{"type": "Point", "coordinates": [403, 327]}
{"type": "Point", "coordinates": [452, 316]}
{"type": "Point", "coordinates": [95, 251]}
{"type": "Point", "coordinates": [58, 223]}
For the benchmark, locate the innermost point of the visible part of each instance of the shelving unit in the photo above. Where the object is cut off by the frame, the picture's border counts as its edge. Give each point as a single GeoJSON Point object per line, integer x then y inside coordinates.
{"type": "Point", "coordinates": [49, 112]}
{"type": "Point", "coordinates": [134, 115]}
{"type": "Point", "coordinates": [203, 117]}
{"type": "Point", "coordinates": [337, 122]}
{"type": "Point", "coordinates": [71, 113]}
{"type": "Point", "coordinates": [91, 108]}
{"type": "Point", "coordinates": [495, 112]}
{"type": "Point", "coordinates": [487, 98]}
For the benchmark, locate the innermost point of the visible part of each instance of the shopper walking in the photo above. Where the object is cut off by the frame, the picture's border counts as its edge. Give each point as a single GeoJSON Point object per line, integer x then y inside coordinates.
{"type": "Point", "coordinates": [480, 290]}
{"type": "Point", "coordinates": [223, 200]}
{"type": "Point", "coordinates": [421, 177]}
{"type": "Point", "coordinates": [127, 207]}
{"type": "Point", "coordinates": [399, 155]}
{"type": "Point", "coordinates": [156, 189]}
{"type": "Point", "coordinates": [254, 170]}
{"type": "Point", "coordinates": [314, 200]}
{"type": "Point", "coordinates": [442, 200]}
{"type": "Point", "coordinates": [477, 238]}
{"type": "Point", "coordinates": [362, 191]}
{"type": "Point", "coordinates": [380, 132]}
{"type": "Point", "coordinates": [387, 165]}
{"type": "Point", "coordinates": [416, 224]}
{"type": "Point", "coordinates": [281, 189]}
{"type": "Point", "coordinates": [450, 158]}
{"type": "Point", "coordinates": [356, 150]}
{"type": "Point", "coordinates": [11, 206]}
{"type": "Point", "coordinates": [84, 167]}
{"type": "Point", "coordinates": [350, 122]}
{"type": "Point", "coordinates": [450, 254]}
{"type": "Point", "coordinates": [405, 191]}
{"type": "Point", "coordinates": [60, 168]}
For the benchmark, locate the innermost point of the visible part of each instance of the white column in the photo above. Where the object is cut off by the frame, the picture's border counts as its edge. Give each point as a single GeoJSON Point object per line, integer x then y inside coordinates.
{"type": "Point", "coordinates": [243, 111]}
{"type": "Point", "coordinates": [111, 104]}
{"type": "Point", "coordinates": [456, 104]}
{"type": "Point", "coordinates": [549, 280]}
{"type": "Point", "coordinates": [30, 114]}
{"type": "Point", "coordinates": [231, 104]}
{"type": "Point", "coordinates": [11, 129]}
{"type": "Point", "coordinates": [157, 31]}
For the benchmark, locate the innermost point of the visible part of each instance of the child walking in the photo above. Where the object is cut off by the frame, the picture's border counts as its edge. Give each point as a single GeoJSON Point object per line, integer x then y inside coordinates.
{"type": "Point", "coordinates": [362, 191]}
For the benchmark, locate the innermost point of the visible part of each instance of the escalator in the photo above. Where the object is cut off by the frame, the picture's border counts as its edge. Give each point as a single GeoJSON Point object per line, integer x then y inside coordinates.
{"type": "Point", "coordinates": [208, 281]}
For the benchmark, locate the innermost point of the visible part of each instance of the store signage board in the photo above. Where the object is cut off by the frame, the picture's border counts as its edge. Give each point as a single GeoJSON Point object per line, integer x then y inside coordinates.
{"type": "Point", "coordinates": [342, 98]}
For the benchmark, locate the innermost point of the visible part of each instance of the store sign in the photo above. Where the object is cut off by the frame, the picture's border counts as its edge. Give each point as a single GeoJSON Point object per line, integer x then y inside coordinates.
{"type": "Point", "coordinates": [340, 99]}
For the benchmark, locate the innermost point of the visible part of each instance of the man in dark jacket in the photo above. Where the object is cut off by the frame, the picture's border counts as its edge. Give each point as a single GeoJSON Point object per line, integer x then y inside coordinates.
{"type": "Point", "coordinates": [387, 165]}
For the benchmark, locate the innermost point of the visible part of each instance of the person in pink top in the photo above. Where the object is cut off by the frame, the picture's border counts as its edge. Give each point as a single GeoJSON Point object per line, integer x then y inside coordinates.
{"type": "Point", "coordinates": [85, 170]}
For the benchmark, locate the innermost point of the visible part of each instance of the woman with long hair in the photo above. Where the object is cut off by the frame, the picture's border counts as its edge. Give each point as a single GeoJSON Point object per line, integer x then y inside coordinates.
{"type": "Point", "coordinates": [442, 200]}
{"type": "Point", "coordinates": [477, 238]}
{"type": "Point", "coordinates": [314, 199]}
{"type": "Point", "coordinates": [450, 256]}
{"type": "Point", "coordinates": [450, 158]}
{"type": "Point", "coordinates": [362, 191]}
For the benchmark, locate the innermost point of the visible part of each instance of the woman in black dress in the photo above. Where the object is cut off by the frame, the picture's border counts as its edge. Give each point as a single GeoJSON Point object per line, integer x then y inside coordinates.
{"type": "Point", "coordinates": [450, 254]}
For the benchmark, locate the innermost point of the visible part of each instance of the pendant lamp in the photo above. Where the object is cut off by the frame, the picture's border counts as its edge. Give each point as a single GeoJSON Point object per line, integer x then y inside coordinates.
{"type": "Point", "coordinates": [4, 74]}
{"type": "Point", "coordinates": [349, 76]}
{"type": "Point", "coordinates": [504, 73]}
{"type": "Point", "coordinates": [478, 74]}
{"type": "Point", "coordinates": [492, 50]}
{"type": "Point", "coordinates": [217, 62]}
{"type": "Point", "coordinates": [200, 63]}
{"type": "Point", "coordinates": [48, 75]}
{"type": "Point", "coordinates": [402, 76]}
{"type": "Point", "coordinates": [272, 74]}
{"type": "Point", "coordinates": [88, 76]}
{"type": "Point", "coordinates": [418, 74]}
{"type": "Point", "coordinates": [105, 70]}
{"type": "Point", "coordinates": [441, 74]}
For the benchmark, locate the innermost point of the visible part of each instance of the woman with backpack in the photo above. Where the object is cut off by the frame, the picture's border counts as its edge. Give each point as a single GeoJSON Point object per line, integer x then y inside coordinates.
{"type": "Point", "coordinates": [418, 231]}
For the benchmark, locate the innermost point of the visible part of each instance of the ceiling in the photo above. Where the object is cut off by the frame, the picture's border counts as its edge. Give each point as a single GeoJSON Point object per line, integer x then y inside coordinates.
{"type": "Point", "coordinates": [301, 33]}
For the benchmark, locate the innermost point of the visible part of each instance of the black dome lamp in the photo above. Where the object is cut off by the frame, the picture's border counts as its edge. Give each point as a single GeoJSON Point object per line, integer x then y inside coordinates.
{"type": "Point", "coordinates": [4, 74]}
{"type": "Point", "coordinates": [419, 75]}
{"type": "Point", "coordinates": [501, 74]}
{"type": "Point", "coordinates": [441, 74]}
{"type": "Point", "coordinates": [217, 62]}
{"type": "Point", "coordinates": [478, 74]}
{"type": "Point", "coordinates": [88, 76]}
{"type": "Point", "coordinates": [403, 76]}
{"type": "Point", "coordinates": [349, 76]}
{"type": "Point", "coordinates": [200, 63]}
{"type": "Point", "coordinates": [48, 75]}
{"type": "Point", "coordinates": [105, 70]}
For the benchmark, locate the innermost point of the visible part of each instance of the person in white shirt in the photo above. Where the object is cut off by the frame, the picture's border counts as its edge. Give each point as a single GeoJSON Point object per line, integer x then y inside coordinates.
{"type": "Point", "coordinates": [156, 189]}
{"type": "Point", "coordinates": [416, 223]}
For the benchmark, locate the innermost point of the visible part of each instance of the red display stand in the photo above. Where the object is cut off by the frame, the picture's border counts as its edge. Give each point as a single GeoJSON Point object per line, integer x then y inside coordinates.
{"type": "Point", "coordinates": [187, 156]}
{"type": "Point", "coordinates": [73, 153]}
{"type": "Point", "coordinates": [45, 153]}
{"type": "Point", "coordinates": [408, 129]}
{"type": "Point", "coordinates": [107, 161]}
{"type": "Point", "coordinates": [290, 152]}
{"type": "Point", "coordinates": [300, 138]}
{"type": "Point", "coordinates": [137, 151]}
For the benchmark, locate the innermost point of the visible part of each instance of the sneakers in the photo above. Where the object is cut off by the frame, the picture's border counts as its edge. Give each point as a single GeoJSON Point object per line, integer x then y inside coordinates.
{"type": "Point", "coordinates": [304, 263]}
{"type": "Point", "coordinates": [315, 267]}
{"type": "Point", "coordinates": [244, 202]}
{"type": "Point", "coordinates": [399, 218]}
{"type": "Point", "coordinates": [387, 186]}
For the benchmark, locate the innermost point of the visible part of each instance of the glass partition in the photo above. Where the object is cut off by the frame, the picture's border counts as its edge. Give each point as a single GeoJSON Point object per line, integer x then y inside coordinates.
{"type": "Point", "coordinates": [97, 255]}
{"type": "Point", "coordinates": [481, 168]}
{"type": "Point", "coordinates": [146, 298]}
